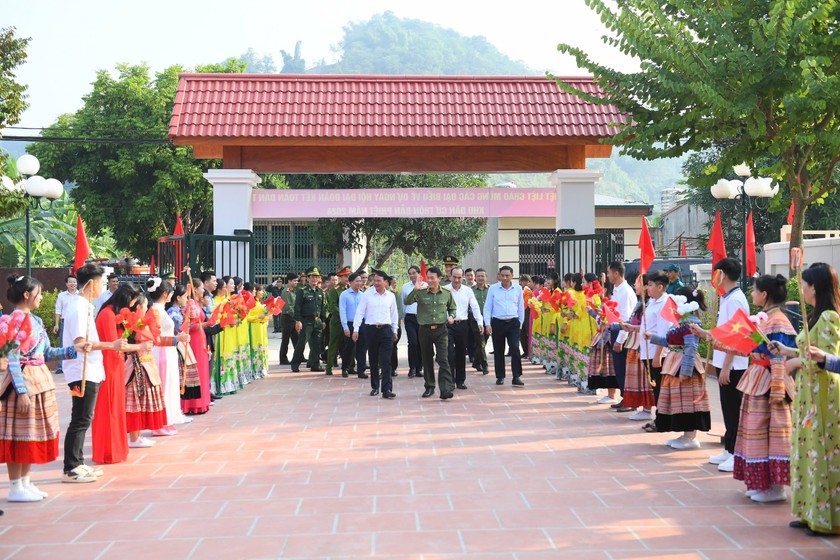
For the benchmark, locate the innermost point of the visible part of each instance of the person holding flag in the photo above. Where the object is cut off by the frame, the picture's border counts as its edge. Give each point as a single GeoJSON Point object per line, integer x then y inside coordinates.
{"type": "Point", "coordinates": [683, 403]}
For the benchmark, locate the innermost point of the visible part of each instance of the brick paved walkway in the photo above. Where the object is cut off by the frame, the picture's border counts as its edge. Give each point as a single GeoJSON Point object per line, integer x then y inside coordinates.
{"type": "Point", "coordinates": [304, 466]}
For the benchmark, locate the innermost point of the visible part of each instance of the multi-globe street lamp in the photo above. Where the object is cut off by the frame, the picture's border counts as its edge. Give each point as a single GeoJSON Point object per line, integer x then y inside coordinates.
{"type": "Point", "coordinates": [748, 190]}
{"type": "Point", "coordinates": [34, 189]}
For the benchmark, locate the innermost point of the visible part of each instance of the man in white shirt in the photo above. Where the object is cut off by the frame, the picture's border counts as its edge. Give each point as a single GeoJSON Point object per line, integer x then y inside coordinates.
{"type": "Point", "coordinates": [626, 300]}
{"type": "Point", "coordinates": [61, 302]}
{"type": "Point", "coordinates": [79, 326]}
{"type": "Point", "coordinates": [729, 367]}
{"type": "Point", "coordinates": [113, 284]}
{"type": "Point", "coordinates": [412, 327]}
{"type": "Point", "coordinates": [378, 309]}
{"type": "Point", "coordinates": [459, 329]}
{"type": "Point", "coordinates": [652, 322]}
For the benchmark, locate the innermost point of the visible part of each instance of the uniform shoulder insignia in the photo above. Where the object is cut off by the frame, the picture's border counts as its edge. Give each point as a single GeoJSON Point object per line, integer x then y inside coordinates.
{"type": "Point", "coordinates": [448, 288]}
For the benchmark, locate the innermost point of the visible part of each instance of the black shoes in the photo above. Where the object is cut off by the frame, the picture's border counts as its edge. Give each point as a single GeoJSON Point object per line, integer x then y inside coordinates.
{"type": "Point", "coordinates": [284, 362]}
{"type": "Point", "coordinates": [625, 409]}
{"type": "Point", "coordinates": [328, 372]}
{"type": "Point", "coordinates": [444, 396]}
{"type": "Point", "coordinates": [388, 395]}
{"type": "Point", "coordinates": [363, 375]}
{"type": "Point", "coordinates": [345, 373]}
{"type": "Point", "coordinates": [295, 368]}
{"type": "Point", "coordinates": [374, 392]}
{"type": "Point", "coordinates": [317, 368]}
{"type": "Point", "coordinates": [428, 392]}
{"type": "Point", "coordinates": [411, 373]}
{"type": "Point", "coordinates": [394, 374]}
{"type": "Point", "coordinates": [500, 381]}
{"type": "Point", "coordinates": [517, 382]}
{"type": "Point", "coordinates": [462, 386]}
{"type": "Point", "coordinates": [485, 371]}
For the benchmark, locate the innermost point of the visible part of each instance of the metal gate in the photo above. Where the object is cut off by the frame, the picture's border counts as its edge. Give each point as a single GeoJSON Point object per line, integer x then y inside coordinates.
{"type": "Point", "coordinates": [284, 247]}
{"type": "Point", "coordinates": [229, 255]}
{"type": "Point", "coordinates": [590, 253]}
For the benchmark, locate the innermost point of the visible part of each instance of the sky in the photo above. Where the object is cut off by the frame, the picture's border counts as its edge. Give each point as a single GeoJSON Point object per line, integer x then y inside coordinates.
{"type": "Point", "coordinates": [71, 41]}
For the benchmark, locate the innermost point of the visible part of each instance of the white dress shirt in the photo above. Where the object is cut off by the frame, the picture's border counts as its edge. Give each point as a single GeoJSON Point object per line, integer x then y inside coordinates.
{"type": "Point", "coordinates": [653, 323]}
{"type": "Point", "coordinates": [465, 300]}
{"type": "Point", "coordinates": [407, 288]}
{"type": "Point", "coordinates": [729, 303]}
{"type": "Point", "coordinates": [62, 301]}
{"type": "Point", "coordinates": [626, 300]}
{"type": "Point", "coordinates": [377, 309]}
{"type": "Point", "coordinates": [79, 322]}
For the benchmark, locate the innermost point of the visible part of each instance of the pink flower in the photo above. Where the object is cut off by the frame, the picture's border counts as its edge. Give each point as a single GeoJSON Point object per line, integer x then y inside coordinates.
{"type": "Point", "coordinates": [21, 336]}
{"type": "Point", "coordinates": [4, 327]}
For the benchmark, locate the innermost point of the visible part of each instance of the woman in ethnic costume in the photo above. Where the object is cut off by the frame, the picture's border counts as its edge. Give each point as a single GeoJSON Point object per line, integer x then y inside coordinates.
{"type": "Point", "coordinates": [579, 330]}
{"type": "Point", "coordinates": [28, 410]}
{"type": "Point", "coordinates": [166, 357]}
{"type": "Point", "coordinates": [196, 400]}
{"type": "Point", "coordinates": [548, 313]}
{"type": "Point", "coordinates": [108, 428]}
{"type": "Point", "coordinates": [815, 456]}
{"type": "Point", "coordinates": [257, 321]}
{"type": "Point", "coordinates": [227, 366]}
{"type": "Point", "coordinates": [683, 403]}
{"type": "Point", "coordinates": [563, 347]}
{"type": "Point", "coordinates": [638, 391]}
{"type": "Point", "coordinates": [601, 371]}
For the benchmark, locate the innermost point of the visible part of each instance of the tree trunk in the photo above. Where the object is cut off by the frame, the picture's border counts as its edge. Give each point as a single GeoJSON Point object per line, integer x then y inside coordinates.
{"type": "Point", "coordinates": [798, 221]}
{"type": "Point", "coordinates": [366, 258]}
{"type": "Point", "coordinates": [382, 259]}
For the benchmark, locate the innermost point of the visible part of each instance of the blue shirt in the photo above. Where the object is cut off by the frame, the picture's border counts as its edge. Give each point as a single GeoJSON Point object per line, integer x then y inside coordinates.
{"type": "Point", "coordinates": [504, 304]}
{"type": "Point", "coordinates": [347, 303]}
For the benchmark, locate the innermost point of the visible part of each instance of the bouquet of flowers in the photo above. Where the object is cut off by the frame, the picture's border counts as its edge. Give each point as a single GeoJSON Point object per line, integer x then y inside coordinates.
{"type": "Point", "coordinates": [15, 332]}
{"type": "Point", "coordinates": [134, 322]}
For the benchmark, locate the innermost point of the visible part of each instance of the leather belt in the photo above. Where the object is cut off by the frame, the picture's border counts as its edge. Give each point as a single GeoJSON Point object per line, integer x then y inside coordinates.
{"type": "Point", "coordinates": [433, 327]}
{"type": "Point", "coordinates": [380, 325]}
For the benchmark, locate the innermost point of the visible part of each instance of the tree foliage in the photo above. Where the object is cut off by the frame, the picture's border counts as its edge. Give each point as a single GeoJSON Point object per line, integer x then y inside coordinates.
{"type": "Point", "coordinates": [387, 44]}
{"type": "Point", "coordinates": [12, 94]}
{"type": "Point", "coordinates": [761, 75]}
{"type": "Point", "coordinates": [134, 188]}
{"type": "Point", "coordinates": [433, 238]}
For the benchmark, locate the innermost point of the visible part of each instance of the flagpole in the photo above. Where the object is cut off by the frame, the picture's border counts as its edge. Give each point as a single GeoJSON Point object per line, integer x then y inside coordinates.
{"type": "Point", "coordinates": [714, 311]}
{"type": "Point", "coordinates": [796, 257]}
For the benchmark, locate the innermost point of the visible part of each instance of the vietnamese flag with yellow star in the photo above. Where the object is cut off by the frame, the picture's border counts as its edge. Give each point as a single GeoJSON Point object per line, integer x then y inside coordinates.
{"type": "Point", "coordinates": [739, 333]}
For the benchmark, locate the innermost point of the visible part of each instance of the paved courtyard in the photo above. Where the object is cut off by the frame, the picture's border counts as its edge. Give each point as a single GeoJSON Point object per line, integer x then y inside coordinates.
{"type": "Point", "coordinates": [308, 466]}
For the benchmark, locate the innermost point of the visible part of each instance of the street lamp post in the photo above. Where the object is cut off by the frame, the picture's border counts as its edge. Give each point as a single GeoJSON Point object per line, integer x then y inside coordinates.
{"type": "Point", "coordinates": [748, 190]}
{"type": "Point", "coordinates": [35, 189]}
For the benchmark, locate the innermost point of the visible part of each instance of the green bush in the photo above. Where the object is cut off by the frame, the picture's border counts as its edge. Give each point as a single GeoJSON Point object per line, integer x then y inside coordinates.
{"type": "Point", "coordinates": [47, 314]}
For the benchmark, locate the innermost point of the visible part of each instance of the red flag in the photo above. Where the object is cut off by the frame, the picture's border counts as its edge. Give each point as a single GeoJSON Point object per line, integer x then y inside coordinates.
{"type": "Point", "coordinates": [152, 266]}
{"type": "Point", "coordinates": [646, 246]}
{"type": "Point", "coordinates": [423, 270]}
{"type": "Point", "coordinates": [82, 247]}
{"type": "Point", "coordinates": [790, 215]}
{"type": "Point", "coordinates": [179, 227]}
{"type": "Point", "coordinates": [739, 333]}
{"type": "Point", "coordinates": [669, 311]}
{"type": "Point", "coordinates": [683, 249]}
{"type": "Point", "coordinates": [609, 310]}
{"type": "Point", "coordinates": [716, 244]}
{"type": "Point", "coordinates": [749, 237]}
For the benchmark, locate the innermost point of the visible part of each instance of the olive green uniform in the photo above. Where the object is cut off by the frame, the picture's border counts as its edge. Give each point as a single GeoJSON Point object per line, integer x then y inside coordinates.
{"type": "Point", "coordinates": [480, 350]}
{"type": "Point", "coordinates": [433, 312]}
{"type": "Point", "coordinates": [336, 332]}
{"type": "Point", "coordinates": [311, 313]}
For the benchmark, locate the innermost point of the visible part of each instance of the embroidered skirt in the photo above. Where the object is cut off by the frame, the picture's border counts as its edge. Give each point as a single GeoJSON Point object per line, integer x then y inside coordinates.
{"type": "Point", "coordinates": [601, 371]}
{"type": "Point", "coordinates": [683, 404]}
{"type": "Point", "coordinates": [30, 438]}
{"type": "Point", "coordinates": [637, 388]}
{"type": "Point", "coordinates": [762, 449]}
{"type": "Point", "coordinates": [144, 409]}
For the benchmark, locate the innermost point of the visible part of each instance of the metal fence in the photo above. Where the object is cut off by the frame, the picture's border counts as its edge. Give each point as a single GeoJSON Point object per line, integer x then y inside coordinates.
{"type": "Point", "coordinates": [590, 253]}
{"type": "Point", "coordinates": [230, 255]}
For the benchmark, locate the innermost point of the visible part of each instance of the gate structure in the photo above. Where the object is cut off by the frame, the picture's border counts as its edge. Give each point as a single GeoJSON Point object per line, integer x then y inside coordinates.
{"type": "Point", "coordinates": [590, 253]}
{"type": "Point", "coordinates": [229, 255]}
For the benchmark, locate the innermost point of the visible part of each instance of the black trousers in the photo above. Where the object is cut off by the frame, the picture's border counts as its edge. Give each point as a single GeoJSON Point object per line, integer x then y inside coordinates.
{"type": "Point", "coordinates": [276, 321]}
{"type": "Point", "coordinates": [412, 332]}
{"type": "Point", "coordinates": [506, 332]}
{"type": "Point", "coordinates": [523, 333]}
{"type": "Point", "coordinates": [287, 326]}
{"type": "Point", "coordinates": [619, 362]}
{"type": "Point", "coordinates": [395, 361]}
{"type": "Point", "coordinates": [350, 351]}
{"type": "Point", "coordinates": [361, 350]}
{"type": "Point", "coordinates": [730, 405]}
{"type": "Point", "coordinates": [479, 348]}
{"type": "Point", "coordinates": [380, 344]}
{"type": "Point", "coordinates": [458, 337]}
{"type": "Point", "coordinates": [655, 377]}
{"type": "Point", "coordinates": [80, 417]}
{"type": "Point", "coordinates": [434, 347]}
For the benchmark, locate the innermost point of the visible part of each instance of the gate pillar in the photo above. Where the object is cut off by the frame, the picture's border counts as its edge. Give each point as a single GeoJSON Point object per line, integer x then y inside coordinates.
{"type": "Point", "coordinates": [575, 199]}
{"type": "Point", "coordinates": [231, 205]}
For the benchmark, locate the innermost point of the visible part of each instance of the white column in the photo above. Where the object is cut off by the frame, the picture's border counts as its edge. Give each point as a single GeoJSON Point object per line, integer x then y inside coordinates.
{"type": "Point", "coordinates": [575, 199]}
{"type": "Point", "coordinates": [232, 211]}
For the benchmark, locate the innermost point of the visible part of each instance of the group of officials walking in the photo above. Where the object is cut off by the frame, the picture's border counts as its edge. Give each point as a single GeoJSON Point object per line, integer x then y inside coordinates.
{"type": "Point", "coordinates": [448, 317]}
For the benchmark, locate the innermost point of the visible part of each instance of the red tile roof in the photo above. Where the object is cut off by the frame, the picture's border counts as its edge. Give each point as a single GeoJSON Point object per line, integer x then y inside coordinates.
{"type": "Point", "coordinates": [265, 106]}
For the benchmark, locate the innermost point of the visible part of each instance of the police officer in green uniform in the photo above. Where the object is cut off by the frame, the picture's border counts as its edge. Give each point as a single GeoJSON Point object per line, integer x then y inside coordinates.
{"type": "Point", "coordinates": [274, 290]}
{"type": "Point", "coordinates": [449, 262]}
{"type": "Point", "coordinates": [335, 328]}
{"type": "Point", "coordinates": [435, 309]}
{"type": "Point", "coordinates": [310, 315]}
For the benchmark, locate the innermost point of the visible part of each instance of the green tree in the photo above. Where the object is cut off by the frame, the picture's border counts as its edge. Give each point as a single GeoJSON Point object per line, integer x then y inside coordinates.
{"type": "Point", "coordinates": [136, 188]}
{"type": "Point", "coordinates": [432, 238]}
{"type": "Point", "coordinates": [256, 64]}
{"type": "Point", "coordinates": [12, 104]}
{"type": "Point", "coordinates": [760, 75]}
{"type": "Point", "coordinates": [387, 44]}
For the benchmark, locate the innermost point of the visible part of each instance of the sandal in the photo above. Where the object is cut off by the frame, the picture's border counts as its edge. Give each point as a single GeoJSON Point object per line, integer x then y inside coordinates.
{"type": "Point", "coordinates": [650, 428]}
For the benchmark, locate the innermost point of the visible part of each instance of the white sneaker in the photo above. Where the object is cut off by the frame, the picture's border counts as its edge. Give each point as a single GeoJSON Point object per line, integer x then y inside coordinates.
{"type": "Point", "coordinates": [686, 444]}
{"type": "Point", "coordinates": [640, 415]}
{"type": "Point", "coordinates": [728, 465]}
{"type": "Point", "coordinates": [674, 442]}
{"type": "Point", "coordinates": [774, 494]}
{"type": "Point", "coordinates": [79, 474]}
{"type": "Point", "coordinates": [35, 490]}
{"type": "Point", "coordinates": [95, 471]}
{"type": "Point", "coordinates": [140, 443]}
{"type": "Point", "coordinates": [606, 400]}
{"type": "Point", "coordinates": [751, 493]}
{"type": "Point", "coordinates": [720, 457]}
{"type": "Point", "coordinates": [23, 495]}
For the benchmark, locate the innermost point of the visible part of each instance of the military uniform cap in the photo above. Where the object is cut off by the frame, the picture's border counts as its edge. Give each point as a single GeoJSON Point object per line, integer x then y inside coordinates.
{"type": "Point", "coordinates": [449, 259]}
{"type": "Point", "coordinates": [170, 276]}
{"type": "Point", "coordinates": [343, 272]}
{"type": "Point", "coordinates": [313, 271]}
